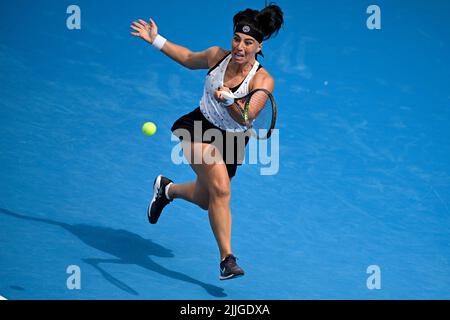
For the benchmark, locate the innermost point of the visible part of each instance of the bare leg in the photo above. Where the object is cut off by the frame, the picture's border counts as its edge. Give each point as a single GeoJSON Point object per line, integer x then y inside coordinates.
{"type": "Point", "coordinates": [219, 210]}
{"type": "Point", "coordinates": [213, 177]}
{"type": "Point", "coordinates": [193, 192]}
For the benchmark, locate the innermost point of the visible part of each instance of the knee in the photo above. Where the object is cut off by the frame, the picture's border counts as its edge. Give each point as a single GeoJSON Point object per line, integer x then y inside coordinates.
{"type": "Point", "coordinates": [220, 188]}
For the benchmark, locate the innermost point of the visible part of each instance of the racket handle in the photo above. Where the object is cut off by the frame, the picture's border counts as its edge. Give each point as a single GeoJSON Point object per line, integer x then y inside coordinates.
{"type": "Point", "coordinates": [229, 97]}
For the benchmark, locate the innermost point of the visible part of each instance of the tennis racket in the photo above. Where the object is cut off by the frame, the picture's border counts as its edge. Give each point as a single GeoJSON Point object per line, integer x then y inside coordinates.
{"type": "Point", "coordinates": [257, 111]}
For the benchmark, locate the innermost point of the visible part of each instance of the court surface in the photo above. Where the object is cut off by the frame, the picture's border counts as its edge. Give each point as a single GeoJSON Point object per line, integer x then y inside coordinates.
{"type": "Point", "coordinates": [364, 172]}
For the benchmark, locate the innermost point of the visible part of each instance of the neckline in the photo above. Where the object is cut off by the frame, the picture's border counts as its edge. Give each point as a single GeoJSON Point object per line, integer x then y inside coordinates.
{"type": "Point", "coordinates": [226, 67]}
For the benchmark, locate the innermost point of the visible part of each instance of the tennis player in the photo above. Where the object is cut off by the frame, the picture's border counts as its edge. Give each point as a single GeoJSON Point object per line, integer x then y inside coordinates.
{"type": "Point", "coordinates": [236, 70]}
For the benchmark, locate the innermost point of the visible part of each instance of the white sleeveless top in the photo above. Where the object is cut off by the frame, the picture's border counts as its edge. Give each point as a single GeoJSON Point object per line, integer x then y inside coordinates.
{"type": "Point", "coordinates": [211, 108]}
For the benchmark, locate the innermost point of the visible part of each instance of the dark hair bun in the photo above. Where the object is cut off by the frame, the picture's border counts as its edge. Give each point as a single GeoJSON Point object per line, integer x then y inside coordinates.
{"type": "Point", "coordinates": [269, 20]}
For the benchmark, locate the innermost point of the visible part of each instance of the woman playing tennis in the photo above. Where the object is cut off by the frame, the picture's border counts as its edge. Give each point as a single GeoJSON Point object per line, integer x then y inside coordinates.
{"type": "Point", "coordinates": [237, 71]}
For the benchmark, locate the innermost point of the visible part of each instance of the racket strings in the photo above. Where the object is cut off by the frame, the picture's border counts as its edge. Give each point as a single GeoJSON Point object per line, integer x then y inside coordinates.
{"type": "Point", "coordinates": [260, 112]}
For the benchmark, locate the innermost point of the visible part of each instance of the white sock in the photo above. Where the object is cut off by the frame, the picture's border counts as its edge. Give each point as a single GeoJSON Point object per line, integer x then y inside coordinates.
{"type": "Point", "coordinates": [167, 191]}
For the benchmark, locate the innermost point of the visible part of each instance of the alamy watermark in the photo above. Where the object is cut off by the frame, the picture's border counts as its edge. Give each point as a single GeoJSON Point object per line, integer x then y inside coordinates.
{"type": "Point", "coordinates": [74, 280]}
{"type": "Point", "coordinates": [228, 148]}
{"type": "Point", "coordinates": [374, 280]}
{"type": "Point", "coordinates": [374, 20]}
{"type": "Point", "coordinates": [73, 21]}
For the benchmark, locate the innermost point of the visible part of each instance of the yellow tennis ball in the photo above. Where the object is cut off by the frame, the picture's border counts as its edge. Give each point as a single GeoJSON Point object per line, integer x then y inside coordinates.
{"type": "Point", "coordinates": [149, 128]}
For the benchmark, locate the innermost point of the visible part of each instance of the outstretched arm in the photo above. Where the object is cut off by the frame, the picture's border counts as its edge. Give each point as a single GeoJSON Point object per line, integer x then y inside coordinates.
{"type": "Point", "coordinates": [182, 55]}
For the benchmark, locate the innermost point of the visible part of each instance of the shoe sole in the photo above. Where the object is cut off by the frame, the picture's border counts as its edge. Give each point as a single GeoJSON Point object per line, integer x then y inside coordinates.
{"type": "Point", "coordinates": [156, 185]}
{"type": "Point", "coordinates": [231, 276]}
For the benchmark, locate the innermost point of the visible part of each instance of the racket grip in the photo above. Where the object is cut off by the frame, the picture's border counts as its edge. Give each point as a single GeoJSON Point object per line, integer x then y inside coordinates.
{"type": "Point", "coordinates": [229, 98]}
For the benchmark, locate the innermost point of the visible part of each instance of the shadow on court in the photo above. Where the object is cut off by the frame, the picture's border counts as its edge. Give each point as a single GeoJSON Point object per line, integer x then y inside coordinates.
{"type": "Point", "coordinates": [127, 247]}
{"type": "Point", "coordinates": [17, 288]}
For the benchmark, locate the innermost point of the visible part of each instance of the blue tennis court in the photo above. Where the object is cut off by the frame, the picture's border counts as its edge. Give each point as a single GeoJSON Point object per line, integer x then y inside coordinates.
{"type": "Point", "coordinates": [361, 178]}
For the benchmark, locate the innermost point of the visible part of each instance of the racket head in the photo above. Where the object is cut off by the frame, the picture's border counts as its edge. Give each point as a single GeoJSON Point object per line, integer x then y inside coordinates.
{"type": "Point", "coordinates": [260, 113]}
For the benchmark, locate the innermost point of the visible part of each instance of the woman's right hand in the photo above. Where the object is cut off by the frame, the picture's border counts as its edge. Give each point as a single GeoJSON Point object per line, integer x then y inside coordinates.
{"type": "Point", "coordinates": [144, 30]}
{"type": "Point", "coordinates": [218, 93]}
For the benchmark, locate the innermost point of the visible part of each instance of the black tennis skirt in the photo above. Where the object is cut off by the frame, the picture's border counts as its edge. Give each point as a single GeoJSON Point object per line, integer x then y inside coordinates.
{"type": "Point", "coordinates": [196, 117]}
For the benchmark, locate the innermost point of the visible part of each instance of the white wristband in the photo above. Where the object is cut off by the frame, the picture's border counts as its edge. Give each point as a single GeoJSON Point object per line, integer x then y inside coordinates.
{"type": "Point", "coordinates": [159, 42]}
{"type": "Point", "coordinates": [229, 98]}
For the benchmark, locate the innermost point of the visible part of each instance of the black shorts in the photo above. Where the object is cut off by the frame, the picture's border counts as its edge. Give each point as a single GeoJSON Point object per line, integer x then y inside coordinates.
{"type": "Point", "coordinates": [196, 116]}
